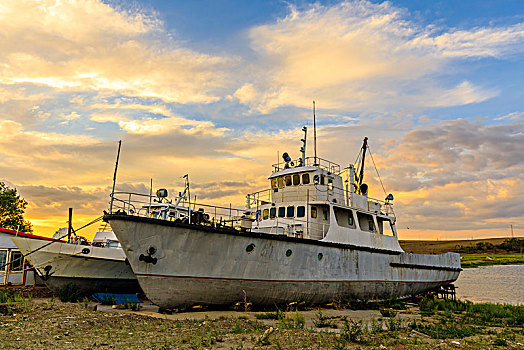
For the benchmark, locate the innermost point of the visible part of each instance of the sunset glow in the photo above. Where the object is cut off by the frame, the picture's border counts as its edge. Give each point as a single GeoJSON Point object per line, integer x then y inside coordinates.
{"type": "Point", "coordinates": [216, 92]}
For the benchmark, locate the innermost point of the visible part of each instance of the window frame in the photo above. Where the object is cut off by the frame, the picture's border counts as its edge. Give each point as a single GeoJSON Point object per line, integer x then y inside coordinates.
{"type": "Point", "coordinates": [296, 177]}
{"type": "Point", "coordinates": [314, 212]}
{"type": "Point", "coordinates": [288, 180]}
{"type": "Point", "coordinates": [16, 266]}
{"type": "Point", "coordinates": [304, 177]}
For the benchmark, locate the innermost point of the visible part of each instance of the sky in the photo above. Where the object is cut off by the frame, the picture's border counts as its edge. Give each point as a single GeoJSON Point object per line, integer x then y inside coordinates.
{"type": "Point", "coordinates": [215, 89]}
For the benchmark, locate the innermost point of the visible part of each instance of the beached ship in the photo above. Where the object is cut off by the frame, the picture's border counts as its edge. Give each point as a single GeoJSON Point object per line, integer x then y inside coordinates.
{"type": "Point", "coordinates": [314, 236]}
{"type": "Point", "coordinates": [99, 266]}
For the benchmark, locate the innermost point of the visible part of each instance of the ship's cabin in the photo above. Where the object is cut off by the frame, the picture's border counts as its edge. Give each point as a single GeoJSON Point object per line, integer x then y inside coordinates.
{"type": "Point", "coordinates": [315, 198]}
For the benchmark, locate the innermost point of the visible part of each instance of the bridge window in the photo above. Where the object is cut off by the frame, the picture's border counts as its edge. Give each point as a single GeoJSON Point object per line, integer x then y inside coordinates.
{"type": "Point", "coordinates": [344, 217]}
{"type": "Point", "coordinates": [305, 179]}
{"type": "Point", "coordinates": [272, 212]}
{"type": "Point", "coordinates": [322, 179]}
{"type": "Point", "coordinates": [258, 215]}
{"type": "Point", "coordinates": [381, 230]}
{"type": "Point", "coordinates": [301, 211]}
{"type": "Point", "coordinates": [265, 214]}
{"type": "Point", "coordinates": [288, 180]}
{"type": "Point", "coordinates": [282, 212]}
{"type": "Point", "coordinates": [273, 183]}
{"type": "Point", "coordinates": [290, 211]}
{"type": "Point", "coordinates": [366, 222]}
{"type": "Point", "coordinates": [324, 214]}
{"type": "Point", "coordinates": [296, 179]}
{"type": "Point", "coordinates": [313, 212]}
{"type": "Point", "coordinates": [280, 181]}
{"type": "Point", "coordinates": [330, 184]}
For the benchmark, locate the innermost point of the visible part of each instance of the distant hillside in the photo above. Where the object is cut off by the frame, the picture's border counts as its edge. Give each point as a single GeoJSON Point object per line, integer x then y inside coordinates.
{"type": "Point", "coordinates": [438, 247]}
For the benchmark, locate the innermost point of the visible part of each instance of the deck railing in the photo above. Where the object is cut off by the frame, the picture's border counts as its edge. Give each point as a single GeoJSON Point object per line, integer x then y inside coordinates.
{"type": "Point", "coordinates": [191, 212]}
{"type": "Point", "coordinates": [138, 204]}
{"type": "Point", "coordinates": [315, 193]}
{"type": "Point", "coordinates": [293, 227]}
{"type": "Point", "coordinates": [310, 161]}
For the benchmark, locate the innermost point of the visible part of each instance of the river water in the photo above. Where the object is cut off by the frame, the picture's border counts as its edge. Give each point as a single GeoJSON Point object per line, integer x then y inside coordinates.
{"type": "Point", "coordinates": [492, 284]}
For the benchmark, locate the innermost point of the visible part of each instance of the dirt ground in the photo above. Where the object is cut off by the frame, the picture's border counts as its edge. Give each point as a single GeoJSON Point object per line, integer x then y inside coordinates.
{"type": "Point", "coordinates": [46, 323]}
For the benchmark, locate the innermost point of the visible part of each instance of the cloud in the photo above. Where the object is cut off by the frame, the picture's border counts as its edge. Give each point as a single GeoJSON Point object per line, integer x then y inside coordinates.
{"type": "Point", "coordinates": [363, 56]}
{"type": "Point", "coordinates": [75, 76]}
{"type": "Point", "coordinates": [156, 126]}
{"type": "Point", "coordinates": [456, 175]}
{"type": "Point", "coordinates": [89, 45]}
{"type": "Point", "coordinates": [479, 42]}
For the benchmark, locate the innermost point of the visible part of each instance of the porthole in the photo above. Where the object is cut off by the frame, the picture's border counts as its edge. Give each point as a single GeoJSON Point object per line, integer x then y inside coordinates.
{"type": "Point", "coordinates": [250, 248]}
{"type": "Point", "coordinates": [320, 256]}
{"type": "Point", "coordinates": [288, 253]}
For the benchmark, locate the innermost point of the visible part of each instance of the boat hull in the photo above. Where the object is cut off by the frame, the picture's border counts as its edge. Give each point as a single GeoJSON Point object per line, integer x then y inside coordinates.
{"type": "Point", "coordinates": [180, 265]}
{"type": "Point", "coordinates": [91, 269]}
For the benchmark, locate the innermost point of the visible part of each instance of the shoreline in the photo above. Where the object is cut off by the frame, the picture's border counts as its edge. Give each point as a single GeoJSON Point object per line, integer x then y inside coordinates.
{"type": "Point", "coordinates": [478, 260]}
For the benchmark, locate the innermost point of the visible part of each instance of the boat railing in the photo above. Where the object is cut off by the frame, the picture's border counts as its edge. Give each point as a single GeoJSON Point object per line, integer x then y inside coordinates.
{"type": "Point", "coordinates": [317, 193]}
{"type": "Point", "coordinates": [309, 161]}
{"type": "Point", "coordinates": [294, 227]}
{"type": "Point", "coordinates": [144, 205]}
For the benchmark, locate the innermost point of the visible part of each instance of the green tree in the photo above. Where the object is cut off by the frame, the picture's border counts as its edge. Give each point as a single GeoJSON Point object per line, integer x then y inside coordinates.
{"type": "Point", "coordinates": [12, 208]}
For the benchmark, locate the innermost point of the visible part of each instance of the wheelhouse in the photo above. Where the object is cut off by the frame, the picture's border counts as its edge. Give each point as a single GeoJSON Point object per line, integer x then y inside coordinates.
{"type": "Point", "coordinates": [311, 197]}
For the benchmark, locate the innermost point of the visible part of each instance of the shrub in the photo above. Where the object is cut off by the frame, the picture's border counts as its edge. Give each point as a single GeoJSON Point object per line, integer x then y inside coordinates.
{"type": "Point", "coordinates": [351, 331]}
{"type": "Point", "coordinates": [388, 313]}
{"type": "Point", "coordinates": [297, 322]}
{"type": "Point", "coordinates": [322, 321]}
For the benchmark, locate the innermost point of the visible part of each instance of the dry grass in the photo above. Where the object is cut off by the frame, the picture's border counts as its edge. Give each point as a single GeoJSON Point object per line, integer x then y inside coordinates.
{"type": "Point", "coordinates": [51, 324]}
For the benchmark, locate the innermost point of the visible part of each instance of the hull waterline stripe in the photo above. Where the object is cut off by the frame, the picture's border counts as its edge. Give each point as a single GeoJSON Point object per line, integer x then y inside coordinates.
{"type": "Point", "coordinates": [283, 281]}
{"type": "Point", "coordinates": [425, 267]}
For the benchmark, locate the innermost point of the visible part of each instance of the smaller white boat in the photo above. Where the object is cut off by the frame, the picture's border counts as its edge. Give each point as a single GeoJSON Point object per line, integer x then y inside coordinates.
{"type": "Point", "coordinates": [99, 266]}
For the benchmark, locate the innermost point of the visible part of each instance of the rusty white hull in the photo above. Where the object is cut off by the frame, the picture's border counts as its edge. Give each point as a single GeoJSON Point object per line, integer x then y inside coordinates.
{"type": "Point", "coordinates": [179, 264]}
{"type": "Point", "coordinates": [91, 269]}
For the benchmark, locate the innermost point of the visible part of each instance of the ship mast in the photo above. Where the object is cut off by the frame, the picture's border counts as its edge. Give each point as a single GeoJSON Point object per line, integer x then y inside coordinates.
{"type": "Point", "coordinates": [315, 134]}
